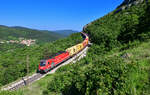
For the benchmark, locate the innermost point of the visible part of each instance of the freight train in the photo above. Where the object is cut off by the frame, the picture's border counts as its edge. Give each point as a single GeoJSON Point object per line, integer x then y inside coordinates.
{"type": "Point", "coordinates": [48, 64]}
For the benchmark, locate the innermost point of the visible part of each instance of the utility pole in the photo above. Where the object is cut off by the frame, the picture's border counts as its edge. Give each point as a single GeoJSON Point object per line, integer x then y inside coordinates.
{"type": "Point", "coordinates": [27, 67]}
{"type": "Point", "coordinates": [27, 63]}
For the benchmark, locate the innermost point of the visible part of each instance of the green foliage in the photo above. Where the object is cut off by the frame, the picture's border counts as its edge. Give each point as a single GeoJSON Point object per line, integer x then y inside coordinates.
{"type": "Point", "coordinates": [10, 47]}
{"type": "Point", "coordinates": [105, 76]}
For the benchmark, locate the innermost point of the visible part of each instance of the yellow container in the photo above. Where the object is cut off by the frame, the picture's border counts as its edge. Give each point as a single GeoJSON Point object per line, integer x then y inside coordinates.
{"type": "Point", "coordinates": [79, 46]}
{"type": "Point", "coordinates": [72, 50]}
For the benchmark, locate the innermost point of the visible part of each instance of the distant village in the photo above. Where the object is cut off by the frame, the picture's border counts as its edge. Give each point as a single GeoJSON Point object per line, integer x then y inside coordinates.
{"type": "Point", "coordinates": [27, 42]}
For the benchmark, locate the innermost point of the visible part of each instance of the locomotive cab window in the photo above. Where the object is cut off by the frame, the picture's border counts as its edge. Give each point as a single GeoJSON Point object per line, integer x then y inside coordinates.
{"type": "Point", "coordinates": [42, 63]}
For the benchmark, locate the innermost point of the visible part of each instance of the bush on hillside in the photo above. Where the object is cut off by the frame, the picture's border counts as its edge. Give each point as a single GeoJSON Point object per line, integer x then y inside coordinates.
{"type": "Point", "coordinates": [105, 76]}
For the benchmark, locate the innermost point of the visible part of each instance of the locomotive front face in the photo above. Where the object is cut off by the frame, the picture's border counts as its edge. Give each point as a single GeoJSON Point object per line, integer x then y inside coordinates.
{"type": "Point", "coordinates": [42, 65]}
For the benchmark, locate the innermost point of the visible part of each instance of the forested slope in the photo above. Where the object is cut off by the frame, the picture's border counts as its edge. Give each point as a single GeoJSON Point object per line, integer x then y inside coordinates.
{"type": "Point", "coordinates": [65, 32]}
{"type": "Point", "coordinates": [126, 26]}
{"type": "Point", "coordinates": [13, 33]}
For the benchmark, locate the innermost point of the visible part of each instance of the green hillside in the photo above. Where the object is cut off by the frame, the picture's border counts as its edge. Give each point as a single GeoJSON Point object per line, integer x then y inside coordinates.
{"type": "Point", "coordinates": [116, 64]}
{"type": "Point", "coordinates": [126, 26]}
{"type": "Point", "coordinates": [13, 33]}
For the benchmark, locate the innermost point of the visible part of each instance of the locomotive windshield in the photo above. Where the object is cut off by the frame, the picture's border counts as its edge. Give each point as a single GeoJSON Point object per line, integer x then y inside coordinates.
{"type": "Point", "coordinates": [42, 63]}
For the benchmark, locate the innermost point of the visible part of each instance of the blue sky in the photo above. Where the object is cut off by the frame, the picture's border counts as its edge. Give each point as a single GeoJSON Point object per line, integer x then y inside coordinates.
{"type": "Point", "coordinates": [54, 14]}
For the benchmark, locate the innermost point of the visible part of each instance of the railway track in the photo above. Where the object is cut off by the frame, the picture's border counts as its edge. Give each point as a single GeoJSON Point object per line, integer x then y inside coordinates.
{"type": "Point", "coordinates": [37, 76]}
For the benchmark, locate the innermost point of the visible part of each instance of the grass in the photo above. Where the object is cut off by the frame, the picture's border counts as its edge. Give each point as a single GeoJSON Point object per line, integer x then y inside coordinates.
{"type": "Point", "coordinates": [140, 76]}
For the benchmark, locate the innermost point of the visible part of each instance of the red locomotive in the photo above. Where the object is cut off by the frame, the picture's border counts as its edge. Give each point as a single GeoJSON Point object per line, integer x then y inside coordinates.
{"type": "Point", "coordinates": [46, 65]}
